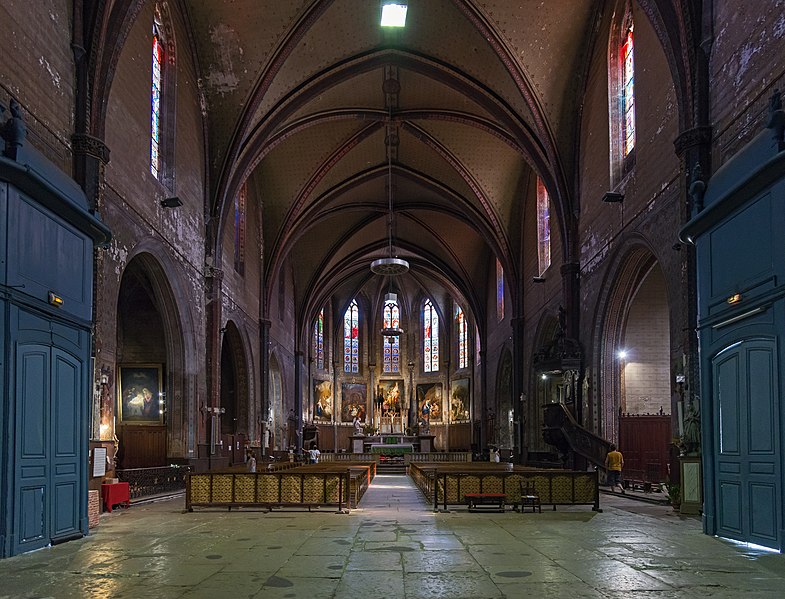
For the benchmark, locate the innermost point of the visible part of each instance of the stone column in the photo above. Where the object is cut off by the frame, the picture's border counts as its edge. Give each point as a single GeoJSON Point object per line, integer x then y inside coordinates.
{"type": "Point", "coordinates": [481, 442]}
{"type": "Point", "coordinates": [299, 366]}
{"type": "Point", "coordinates": [264, 377]}
{"type": "Point", "coordinates": [517, 388]}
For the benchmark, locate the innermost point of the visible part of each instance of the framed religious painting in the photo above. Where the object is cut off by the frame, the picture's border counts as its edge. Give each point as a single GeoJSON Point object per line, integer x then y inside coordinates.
{"type": "Point", "coordinates": [353, 401]}
{"type": "Point", "coordinates": [140, 394]}
{"type": "Point", "coordinates": [459, 400]}
{"type": "Point", "coordinates": [429, 402]}
{"type": "Point", "coordinates": [322, 401]}
{"type": "Point", "coordinates": [388, 397]}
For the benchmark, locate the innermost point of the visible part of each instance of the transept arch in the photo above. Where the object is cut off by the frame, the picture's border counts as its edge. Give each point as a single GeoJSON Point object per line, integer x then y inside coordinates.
{"type": "Point", "coordinates": [633, 341]}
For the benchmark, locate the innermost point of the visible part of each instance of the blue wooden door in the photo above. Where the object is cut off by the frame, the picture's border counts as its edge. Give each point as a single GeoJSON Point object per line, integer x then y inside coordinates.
{"type": "Point", "coordinates": [48, 446]}
{"type": "Point", "coordinates": [747, 437]}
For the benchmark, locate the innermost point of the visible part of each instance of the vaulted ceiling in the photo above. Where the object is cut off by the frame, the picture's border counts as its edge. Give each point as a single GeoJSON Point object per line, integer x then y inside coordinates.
{"type": "Point", "coordinates": [472, 99]}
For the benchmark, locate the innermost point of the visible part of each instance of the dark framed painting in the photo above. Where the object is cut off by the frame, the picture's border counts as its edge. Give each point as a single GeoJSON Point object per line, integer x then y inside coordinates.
{"type": "Point", "coordinates": [322, 401]}
{"type": "Point", "coordinates": [459, 401]}
{"type": "Point", "coordinates": [140, 394]}
{"type": "Point", "coordinates": [354, 401]}
{"type": "Point", "coordinates": [429, 402]}
{"type": "Point", "coordinates": [388, 397]}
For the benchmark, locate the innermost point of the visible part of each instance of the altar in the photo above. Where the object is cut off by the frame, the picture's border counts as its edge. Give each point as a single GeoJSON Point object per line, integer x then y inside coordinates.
{"type": "Point", "coordinates": [392, 443]}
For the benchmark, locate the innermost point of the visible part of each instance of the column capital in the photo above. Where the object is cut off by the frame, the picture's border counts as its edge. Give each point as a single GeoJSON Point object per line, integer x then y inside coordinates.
{"type": "Point", "coordinates": [691, 138]}
{"type": "Point", "coordinates": [82, 143]}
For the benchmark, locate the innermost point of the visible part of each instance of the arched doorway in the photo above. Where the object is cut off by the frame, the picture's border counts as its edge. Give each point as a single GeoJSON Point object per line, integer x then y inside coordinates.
{"type": "Point", "coordinates": [504, 414]}
{"type": "Point", "coordinates": [636, 367]}
{"type": "Point", "coordinates": [234, 394]}
{"type": "Point", "coordinates": [142, 360]}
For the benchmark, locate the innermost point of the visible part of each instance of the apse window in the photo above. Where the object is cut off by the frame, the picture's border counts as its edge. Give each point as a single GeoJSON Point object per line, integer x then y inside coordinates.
{"type": "Point", "coordinates": [318, 340]}
{"type": "Point", "coordinates": [462, 337]}
{"type": "Point", "coordinates": [430, 335]}
{"type": "Point", "coordinates": [394, 14]}
{"type": "Point", "coordinates": [351, 338]}
{"type": "Point", "coordinates": [391, 348]}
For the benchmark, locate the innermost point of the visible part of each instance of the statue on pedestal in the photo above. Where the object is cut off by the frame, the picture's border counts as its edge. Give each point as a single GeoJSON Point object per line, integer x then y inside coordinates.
{"type": "Point", "coordinates": [691, 440]}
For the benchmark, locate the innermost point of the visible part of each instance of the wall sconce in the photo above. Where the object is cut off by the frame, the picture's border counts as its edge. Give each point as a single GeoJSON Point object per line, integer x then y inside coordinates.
{"type": "Point", "coordinates": [173, 202]}
{"type": "Point", "coordinates": [611, 197]}
{"type": "Point", "coordinates": [104, 380]}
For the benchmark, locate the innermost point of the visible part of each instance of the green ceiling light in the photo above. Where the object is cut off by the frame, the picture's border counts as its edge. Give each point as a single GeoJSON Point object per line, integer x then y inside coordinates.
{"type": "Point", "coordinates": [393, 13]}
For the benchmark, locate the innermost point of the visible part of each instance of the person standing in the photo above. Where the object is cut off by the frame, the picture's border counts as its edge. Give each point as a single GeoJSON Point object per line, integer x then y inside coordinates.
{"type": "Point", "coordinates": [614, 462]}
{"type": "Point", "coordinates": [314, 454]}
{"type": "Point", "coordinates": [250, 460]}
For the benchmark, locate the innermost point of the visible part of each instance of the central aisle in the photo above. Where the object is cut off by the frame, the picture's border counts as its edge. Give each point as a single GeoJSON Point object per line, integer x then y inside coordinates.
{"type": "Point", "coordinates": [393, 494]}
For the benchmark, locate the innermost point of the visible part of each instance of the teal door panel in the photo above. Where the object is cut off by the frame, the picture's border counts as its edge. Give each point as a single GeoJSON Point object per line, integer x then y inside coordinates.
{"type": "Point", "coordinates": [66, 473]}
{"type": "Point", "coordinates": [746, 425]}
{"type": "Point", "coordinates": [32, 459]}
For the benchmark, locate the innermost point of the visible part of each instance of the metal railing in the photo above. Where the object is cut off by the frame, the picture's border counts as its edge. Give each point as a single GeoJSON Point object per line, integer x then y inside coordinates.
{"type": "Point", "coordinates": [148, 482]}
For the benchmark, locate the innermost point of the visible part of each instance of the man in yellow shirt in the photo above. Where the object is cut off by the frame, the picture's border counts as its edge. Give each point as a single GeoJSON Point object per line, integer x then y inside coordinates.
{"type": "Point", "coordinates": [614, 462]}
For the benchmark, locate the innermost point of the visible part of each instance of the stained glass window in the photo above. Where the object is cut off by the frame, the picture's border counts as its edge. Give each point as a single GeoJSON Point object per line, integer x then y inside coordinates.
{"type": "Point", "coordinates": [155, 125]}
{"type": "Point", "coordinates": [628, 91]}
{"type": "Point", "coordinates": [351, 338]}
{"type": "Point", "coordinates": [499, 291]}
{"type": "Point", "coordinates": [239, 229]}
{"type": "Point", "coordinates": [318, 340]}
{"type": "Point", "coordinates": [463, 345]}
{"type": "Point", "coordinates": [430, 335]}
{"type": "Point", "coordinates": [391, 346]}
{"type": "Point", "coordinates": [543, 227]}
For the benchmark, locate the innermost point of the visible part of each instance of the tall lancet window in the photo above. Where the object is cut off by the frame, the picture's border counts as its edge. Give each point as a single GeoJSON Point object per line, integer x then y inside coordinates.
{"type": "Point", "coordinates": [621, 92]}
{"type": "Point", "coordinates": [318, 340]}
{"type": "Point", "coordinates": [462, 337]}
{"type": "Point", "coordinates": [628, 90]}
{"type": "Point", "coordinates": [391, 346]}
{"type": "Point", "coordinates": [155, 124]}
{"type": "Point", "coordinates": [351, 338]}
{"type": "Point", "coordinates": [162, 97]}
{"type": "Point", "coordinates": [543, 227]}
{"type": "Point", "coordinates": [430, 335]}
{"type": "Point", "coordinates": [239, 229]}
{"type": "Point", "coordinates": [499, 291]}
